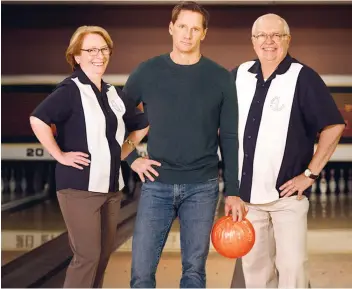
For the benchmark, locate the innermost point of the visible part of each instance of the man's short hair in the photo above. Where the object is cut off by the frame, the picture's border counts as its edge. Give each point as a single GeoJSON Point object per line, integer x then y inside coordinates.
{"type": "Point", "coordinates": [190, 6]}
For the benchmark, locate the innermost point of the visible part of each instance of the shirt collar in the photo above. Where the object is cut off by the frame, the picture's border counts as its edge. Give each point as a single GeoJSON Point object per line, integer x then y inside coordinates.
{"type": "Point", "coordinates": [281, 69]}
{"type": "Point", "coordinates": [83, 78]}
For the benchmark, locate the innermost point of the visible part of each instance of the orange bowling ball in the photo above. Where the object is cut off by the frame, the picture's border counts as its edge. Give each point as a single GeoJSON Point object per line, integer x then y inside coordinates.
{"type": "Point", "coordinates": [232, 239]}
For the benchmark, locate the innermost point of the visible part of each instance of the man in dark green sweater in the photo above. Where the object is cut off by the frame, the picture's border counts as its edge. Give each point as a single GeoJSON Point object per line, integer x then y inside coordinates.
{"type": "Point", "coordinates": [188, 99]}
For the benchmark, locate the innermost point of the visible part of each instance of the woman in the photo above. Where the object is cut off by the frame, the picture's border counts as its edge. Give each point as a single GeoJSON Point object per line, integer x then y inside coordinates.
{"type": "Point", "coordinates": [91, 119]}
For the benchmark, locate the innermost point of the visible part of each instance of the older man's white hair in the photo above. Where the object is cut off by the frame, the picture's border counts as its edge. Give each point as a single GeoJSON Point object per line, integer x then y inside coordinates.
{"type": "Point", "coordinates": [270, 16]}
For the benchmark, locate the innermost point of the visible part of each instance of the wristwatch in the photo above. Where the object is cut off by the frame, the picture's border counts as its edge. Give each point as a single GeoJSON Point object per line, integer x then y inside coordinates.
{"type": "Point", "coordinates": [308, 173]}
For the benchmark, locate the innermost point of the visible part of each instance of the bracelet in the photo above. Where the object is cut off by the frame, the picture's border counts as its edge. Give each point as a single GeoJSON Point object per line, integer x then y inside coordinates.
{"type": "Point", "coordinates": [130, 143]}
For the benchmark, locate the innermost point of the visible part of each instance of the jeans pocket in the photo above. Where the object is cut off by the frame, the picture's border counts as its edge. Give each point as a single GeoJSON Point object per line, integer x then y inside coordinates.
{"type": "Point", "coordinates": [155, 187]}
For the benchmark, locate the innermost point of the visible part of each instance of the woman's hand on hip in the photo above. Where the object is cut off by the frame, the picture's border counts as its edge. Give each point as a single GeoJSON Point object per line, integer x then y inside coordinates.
{"type": "Point", "coordinates": [74, 159]}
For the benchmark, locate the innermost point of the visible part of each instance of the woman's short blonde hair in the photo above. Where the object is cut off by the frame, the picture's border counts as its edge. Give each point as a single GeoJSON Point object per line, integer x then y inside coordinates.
{"type": "Point", "coordinates": [77, 38]}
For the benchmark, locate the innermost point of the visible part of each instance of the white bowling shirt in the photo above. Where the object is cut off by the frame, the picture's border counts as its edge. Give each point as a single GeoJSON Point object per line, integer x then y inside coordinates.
{"type": "Point", "coordinates": [92, 122]}
{"type": "Point", "coordinates": [279, 120]}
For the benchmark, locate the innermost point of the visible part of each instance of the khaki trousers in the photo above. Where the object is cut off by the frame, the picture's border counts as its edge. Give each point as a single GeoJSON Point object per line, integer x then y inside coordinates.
{"type": "Point", "coordinates": [91, 221]}
{"type": "Point", "coordinates": [278, 258]}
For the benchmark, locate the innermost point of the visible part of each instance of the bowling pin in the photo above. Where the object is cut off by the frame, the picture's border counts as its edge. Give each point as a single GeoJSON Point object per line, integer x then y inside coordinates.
{"type": "Point", "coordinates": [349, 196]}
{"type": "Point", "coordinates": [323, 189]}
{"type": "Point", "coordinates": [12, 181]}
{"type": "Point", "coordinates": [341, 196]}
{"type": "Point", "coordinates": [313, 199]}
{"type": "Point", "coordinates": [349, 182]}
{"type": "Point", "coordinates": [24, 183]}
{"type": "Point", "coordinates": [12, 185]}
{"type": "Point", "coordinates": [6, 186]}
{"type": "Point", "coordinates": [332, 181]}
{"type": "Point", "coordinates": [332, 196]}
{"type": "Point", "coordinates": [342, 184]}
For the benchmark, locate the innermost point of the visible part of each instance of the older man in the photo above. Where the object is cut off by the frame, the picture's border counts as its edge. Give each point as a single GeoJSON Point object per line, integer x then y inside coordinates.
{"type": "Point", "coordinates": [283, 105]}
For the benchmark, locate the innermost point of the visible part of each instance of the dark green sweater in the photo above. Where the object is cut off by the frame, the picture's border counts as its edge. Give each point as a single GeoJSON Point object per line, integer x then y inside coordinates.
{"type": "Point", "coordinates": [186, 105]}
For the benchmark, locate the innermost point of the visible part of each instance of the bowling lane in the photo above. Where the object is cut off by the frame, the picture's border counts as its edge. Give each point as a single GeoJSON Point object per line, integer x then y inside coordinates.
{"type": "Point", "coordinates": [30, 212]}
{"type": "Point", "coordinates": [24, 181]}
{"type": "Point", "coordinates": [219, 271]}
{"type": "Point", "coordinates": [329, 238]}
{"type": "Point", "coordinates": [329, 241]}
{"type": "Point", "coordinates": [330, 261]}
{"type": "Point", "coordinates": [326, 271]}
{"type": "Point", "coordinates": [26, 229]}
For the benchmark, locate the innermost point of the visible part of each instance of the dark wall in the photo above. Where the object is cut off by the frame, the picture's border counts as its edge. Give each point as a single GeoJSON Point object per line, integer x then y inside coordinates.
{"type": "Point", "coordinates": [34, 39]}
{"type": "Point", "coordinates": [15, 110]}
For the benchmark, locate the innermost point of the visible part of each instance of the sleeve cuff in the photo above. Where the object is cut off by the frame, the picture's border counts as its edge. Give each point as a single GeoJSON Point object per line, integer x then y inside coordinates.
{"type": "Point", "coordinates": [139, 123]}
{"type": "Point", "coordinates": [132, 157]}
{"type": "Point", "coordinates": [42, 117]}
{"type": "Point", "coordinates": [232, 190]}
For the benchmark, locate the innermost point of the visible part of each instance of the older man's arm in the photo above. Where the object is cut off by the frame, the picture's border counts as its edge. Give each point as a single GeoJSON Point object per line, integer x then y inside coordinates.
{"type": "Point", "coordinates": [329, 138]}
{"type": "Point", "coordinates": [321, 115]}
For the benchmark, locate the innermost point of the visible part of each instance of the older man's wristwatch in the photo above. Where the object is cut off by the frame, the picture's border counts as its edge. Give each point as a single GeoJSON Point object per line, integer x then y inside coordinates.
{"type": "Point", "coordinates": [308, 173]}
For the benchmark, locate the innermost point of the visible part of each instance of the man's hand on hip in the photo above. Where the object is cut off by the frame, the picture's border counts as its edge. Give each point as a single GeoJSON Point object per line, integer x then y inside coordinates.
{"type": "Point", "coordinates": [298, 184]}
{"type": "Point", "coordinates": [143, 166]}
{"type": "Point", "coordinates": [238, 208]}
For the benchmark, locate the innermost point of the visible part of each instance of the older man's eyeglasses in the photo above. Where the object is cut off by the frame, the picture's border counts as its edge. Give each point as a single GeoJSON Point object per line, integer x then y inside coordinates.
{"type": "Point", "coordinates": [277, 37]}
{"type": "Point", "coordinates": [95, 51]}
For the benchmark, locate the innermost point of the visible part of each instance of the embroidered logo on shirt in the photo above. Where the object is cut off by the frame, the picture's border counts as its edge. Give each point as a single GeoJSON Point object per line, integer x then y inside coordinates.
{"type": "Point", "coordinates": [275, 104]}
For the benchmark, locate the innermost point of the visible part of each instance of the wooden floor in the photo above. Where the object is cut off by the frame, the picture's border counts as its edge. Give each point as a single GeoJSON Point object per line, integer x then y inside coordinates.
{"type": "Point", "coordinates": [329, 238]}
{"type": "Point", "coordinates": [326, 271]}
{"type": "Point", "coordinates": [168, 275]}
{"type": "Point", "coordinates": [329, 243]}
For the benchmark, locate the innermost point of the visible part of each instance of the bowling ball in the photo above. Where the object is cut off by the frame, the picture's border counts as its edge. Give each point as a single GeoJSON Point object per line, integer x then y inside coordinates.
{"type": "Point", "coordinates": [232, 239]}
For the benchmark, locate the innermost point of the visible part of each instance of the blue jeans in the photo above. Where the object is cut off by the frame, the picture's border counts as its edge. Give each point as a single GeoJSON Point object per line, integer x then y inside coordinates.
{"type": "Point", "coordinates": [159, 205]}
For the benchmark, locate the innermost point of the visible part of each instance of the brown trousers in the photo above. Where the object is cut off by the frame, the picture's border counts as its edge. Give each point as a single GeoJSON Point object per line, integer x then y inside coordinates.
{"type": "Point", "coordinates": [91, 221]}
